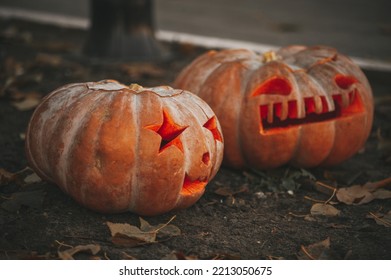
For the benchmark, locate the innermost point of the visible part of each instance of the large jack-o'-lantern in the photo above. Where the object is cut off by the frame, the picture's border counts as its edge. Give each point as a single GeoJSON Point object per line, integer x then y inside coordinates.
{"type": "Point", "coordinates": [306, 106]}
{"type": "Point", "coordinates": [115, 148]}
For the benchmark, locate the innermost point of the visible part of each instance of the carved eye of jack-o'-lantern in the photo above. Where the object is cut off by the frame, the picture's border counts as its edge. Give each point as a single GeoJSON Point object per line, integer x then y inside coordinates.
{"type": "Point", "coordinates": [306, 106]}
{"type": "Point", "coordinates": [115, 148]}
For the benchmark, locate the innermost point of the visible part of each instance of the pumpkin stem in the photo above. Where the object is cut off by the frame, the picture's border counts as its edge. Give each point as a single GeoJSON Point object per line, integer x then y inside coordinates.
{"type": "Point", "coordinates": [135, 87]}
{"type": "Point", "coordinates": [269, 56]}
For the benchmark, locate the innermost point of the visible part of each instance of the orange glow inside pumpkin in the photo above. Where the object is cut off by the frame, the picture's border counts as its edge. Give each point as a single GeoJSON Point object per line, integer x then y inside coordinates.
{"type": "Point", "coordinates": [274, 85]}
{"type": "Point", "coordinates": [192, 187]}
{"type": "Point", "coordinates": [343, 81]}
{"type": "Point", "coordinates": [274, 123]}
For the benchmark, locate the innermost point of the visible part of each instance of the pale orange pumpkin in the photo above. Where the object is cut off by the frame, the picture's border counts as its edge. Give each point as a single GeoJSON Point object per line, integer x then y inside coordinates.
{"type": "Point", "coordinates": [305, 106]}
{"type": "Point", "coordinates": [115, 148]}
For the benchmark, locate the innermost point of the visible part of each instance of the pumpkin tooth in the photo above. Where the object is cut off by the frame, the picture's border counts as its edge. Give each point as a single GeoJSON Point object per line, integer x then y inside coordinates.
{"type": "Point", "coordinates": [345, 100]}
{"type": "Point", "coordinates": [270, 114]}
{"type": "Point", "coordinates": [301, 109]}
{"type": "Point", "coordinates": [352, 96]}
{"type": "Point", "coordinates": [318, 104]}
{"type": "Point", "coordinates": [328, 103]}
{"type": "Point", "coordinates": [284, 111]}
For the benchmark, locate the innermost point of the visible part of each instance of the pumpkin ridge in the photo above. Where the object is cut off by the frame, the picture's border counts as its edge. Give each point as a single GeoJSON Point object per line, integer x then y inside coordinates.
{"type": "Point", "coordinates": [108, 155]}
{"type": "Point", "coordinates": [38, 113]}
{"type": "Point", "coordinates": [134, 179]}
{"type": "Point", "coordinates": [245, 91]}
{"type": "Point", "coordinates": [67, 142]}
{"type": "Point", "coordinates": [78, 133]}
{"type": "Point", "coordinates": [76, 137]}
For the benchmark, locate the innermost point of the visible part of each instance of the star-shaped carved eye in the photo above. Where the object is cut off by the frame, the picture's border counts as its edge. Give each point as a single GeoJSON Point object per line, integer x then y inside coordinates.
{"type": "Point", "coordinates": [211, 124]}
{"type": "Point", "coordinates": [169, 132]}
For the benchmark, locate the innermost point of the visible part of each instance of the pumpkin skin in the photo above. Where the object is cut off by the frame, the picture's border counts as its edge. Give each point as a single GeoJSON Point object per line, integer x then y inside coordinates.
{"type": "Point", "coordinates": [304, 106]}
{"type": "Point", "coordinates": [115, 148]}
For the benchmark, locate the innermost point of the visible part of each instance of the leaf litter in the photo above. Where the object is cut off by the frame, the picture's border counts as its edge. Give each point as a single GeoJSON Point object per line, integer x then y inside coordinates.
{"type": "Point", "coordinates": [131, 236]}
{"type": "Point", "coordinates": [381, 219]}
{"type": "Point", "coordinates": [70, 253]}
{"type": "Point", "coordinates": [358, 194]}
{"type": "Point", "coordinates": [316, 251]}
{"type": "Point", "coordinates": [323, 209]}
{"type": "Point", "coordinates": [361, 194]}
{"type": "Point", "coordinates": [30, 197]}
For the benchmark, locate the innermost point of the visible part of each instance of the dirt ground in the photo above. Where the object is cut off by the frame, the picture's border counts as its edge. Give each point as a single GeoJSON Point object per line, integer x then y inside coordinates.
{"type": "Point", "coordinates": [243, 214]}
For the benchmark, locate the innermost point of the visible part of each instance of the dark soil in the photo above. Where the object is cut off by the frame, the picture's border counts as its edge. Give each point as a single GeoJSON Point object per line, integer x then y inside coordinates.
{"type": "Point", "coordinates": [260, 215]}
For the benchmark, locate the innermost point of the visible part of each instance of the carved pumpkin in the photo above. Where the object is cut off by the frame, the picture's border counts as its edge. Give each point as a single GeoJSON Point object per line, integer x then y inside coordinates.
{"type": "Point", "coordinates": [307, 106]}
{"type": "Point", "coordinates": [115, 148]}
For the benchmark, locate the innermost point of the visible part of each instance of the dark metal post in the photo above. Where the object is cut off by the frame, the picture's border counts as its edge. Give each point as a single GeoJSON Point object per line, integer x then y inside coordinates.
{"type": "Point", "coordinates": [123, 29]}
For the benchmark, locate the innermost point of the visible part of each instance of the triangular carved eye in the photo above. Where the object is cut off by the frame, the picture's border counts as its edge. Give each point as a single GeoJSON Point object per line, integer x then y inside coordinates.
{"type": "Point", "coordinates": [211, 124]}
{"type": "Point", "coordinates": [169, 131]}
{"type": "Point", "coordinates": [343, 81]}
{"type": "Point", "coordinates": [274, 85]}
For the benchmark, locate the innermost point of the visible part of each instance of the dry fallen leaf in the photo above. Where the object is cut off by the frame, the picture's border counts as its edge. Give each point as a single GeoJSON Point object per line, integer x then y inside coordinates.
{"type": "Point", "coordinates": [381, 219]}
{"type": "Point", "coordinates": [6, 177]}
{"type": "Point", "coordinates": [361, 194]}
{"type": "Point", "coordinates": [69, 253]}
{"type": "Point", "coordinates": [129, 235]}
{"type": "Point", "coordinates": [322, 209]}
{"type": "Point", "coordinates": [22, 177]}
{"type": "Point", "coordinates": [162, 230]}
{"type": "Point", "coordinates": [32, 178]}
{"type": "Point", "coordinates": [29, 102]}
{"type": "Point", "coordinates": [316, 251]}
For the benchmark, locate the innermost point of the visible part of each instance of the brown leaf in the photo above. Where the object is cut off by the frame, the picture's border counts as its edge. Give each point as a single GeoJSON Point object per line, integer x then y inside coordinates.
{"type": "Point", "coordinates": [322, 209]}
{"type": "Point", "coordinates": [381, 219]}
{"type": "Point", "coordinates": [69, 253]}
{"type": "Point", "coordinates": [6, 177]}
{"type": "Point", "coordinates": [30, 101]}
{"type": "Point", "coordinates": [316, 251]}
{"type": "Point", "coordinates": [163, 230]}
{"type": "Point", "coordinates": [129, 235]}
{"type": "Point", "coordinates": [32, 178]}
{"type": "Point", "coordinates": [361, 194]}
{"type": "Point", "coordinates": [23, 177]}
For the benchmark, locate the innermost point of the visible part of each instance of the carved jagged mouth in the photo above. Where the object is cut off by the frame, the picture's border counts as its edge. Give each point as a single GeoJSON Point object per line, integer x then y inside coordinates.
{"type": "Point", "coordinates": [278, 115]}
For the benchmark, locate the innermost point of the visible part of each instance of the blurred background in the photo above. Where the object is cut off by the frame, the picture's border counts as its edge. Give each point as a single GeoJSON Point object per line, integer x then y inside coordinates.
{"type": "Point", "coordinates": [359, 28]}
